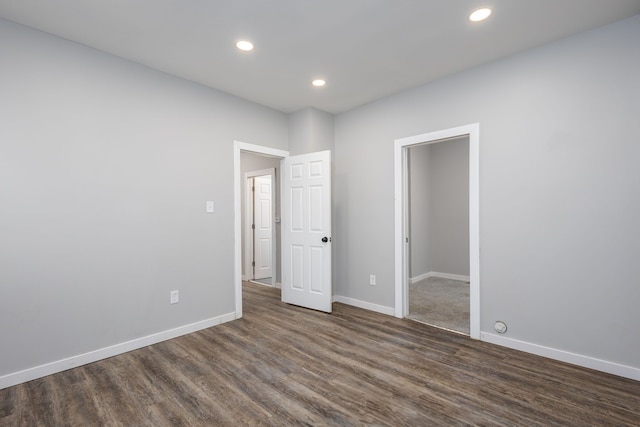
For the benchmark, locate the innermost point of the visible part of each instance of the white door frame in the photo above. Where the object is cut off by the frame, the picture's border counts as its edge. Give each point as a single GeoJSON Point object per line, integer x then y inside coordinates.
{"type": "Point", "coordinates": [402, 219]}
{"type": "Point", "coordinates": [248, 231]}
{"type": "Point", "coordinates": [238, 148]}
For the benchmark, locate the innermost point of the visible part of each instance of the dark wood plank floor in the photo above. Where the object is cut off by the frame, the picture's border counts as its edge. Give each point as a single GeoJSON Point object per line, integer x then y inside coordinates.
{"type": "Point", "coordinates": [283, 365]}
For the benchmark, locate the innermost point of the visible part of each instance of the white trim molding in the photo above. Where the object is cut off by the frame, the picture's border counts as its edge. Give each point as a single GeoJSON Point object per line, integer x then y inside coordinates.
{"type": "Point", "coordinates": [365, 305]}
{"type": "Point", "coordinates": [564, 356]}
{"type": "Point", "coordinates": [36, 372]}
{"type": "Point", "coordinates": [449, 276]}
{"type": "Point", "coordinates": [401, 216]}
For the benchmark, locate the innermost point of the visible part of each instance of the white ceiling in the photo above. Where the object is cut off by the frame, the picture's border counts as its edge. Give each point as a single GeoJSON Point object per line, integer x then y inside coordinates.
{"type": "Point", "coordinates": [365, 49]}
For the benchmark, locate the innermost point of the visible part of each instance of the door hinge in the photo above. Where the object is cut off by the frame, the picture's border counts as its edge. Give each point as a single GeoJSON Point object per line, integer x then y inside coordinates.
{"type": "Point", "coordinates": [253, 189]}
{"type": "Point", "coordinates": [406, 239]}
{"type": "Point", "coordinates": [253, 264]}
{"type": "Point", "coordinates": [253, 226]}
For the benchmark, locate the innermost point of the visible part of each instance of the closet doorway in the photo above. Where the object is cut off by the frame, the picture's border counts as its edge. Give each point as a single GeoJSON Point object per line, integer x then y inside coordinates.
{"type": "Point", "coordinates": [404, 270]}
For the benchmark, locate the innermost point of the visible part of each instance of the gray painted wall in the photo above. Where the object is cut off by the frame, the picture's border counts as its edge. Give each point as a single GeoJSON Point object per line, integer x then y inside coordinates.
{"type": "Point", "coordinates": [559, 181]}
{"type": "Point", "coordinates": [439, 207]}
{"type": "Point", "coordinates": [419, 195]}
{"type": "Point", "coordinates": [250, 162]}
{"type": "Point", "coordinates": [310, 130]}
{"type": "Point", "coordinates": [105, 167]}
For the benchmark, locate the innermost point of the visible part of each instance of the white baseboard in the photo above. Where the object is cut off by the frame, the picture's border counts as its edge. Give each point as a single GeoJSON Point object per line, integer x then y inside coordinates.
{"type": "Point", "coordinates": [275, 285]}
{"type": "Point", "coordinates": [416, 279]}
{"type": "Point", "coordinates": [564, 356]}
{"type": "Point", "coordinates": [104, 353]}
{"type": "Point", "coordinates": [449, 276]}
{"type": "Point", "coordinates": [366, 305]}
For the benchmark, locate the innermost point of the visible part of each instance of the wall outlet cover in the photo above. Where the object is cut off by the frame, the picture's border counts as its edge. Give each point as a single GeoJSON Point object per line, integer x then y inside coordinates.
{"type": "Point", "coordinates": [174, 297]}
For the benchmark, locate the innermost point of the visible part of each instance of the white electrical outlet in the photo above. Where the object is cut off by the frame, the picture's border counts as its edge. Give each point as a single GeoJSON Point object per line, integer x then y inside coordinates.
{"type": "Point", "coordinates": [174, 297]}
{"type": "Point", "coordinates": [372, 279]}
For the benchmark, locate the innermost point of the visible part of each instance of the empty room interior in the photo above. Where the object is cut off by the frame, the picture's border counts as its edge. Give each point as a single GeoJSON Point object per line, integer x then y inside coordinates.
{"type": "Point", "coordinates": [361, 212]}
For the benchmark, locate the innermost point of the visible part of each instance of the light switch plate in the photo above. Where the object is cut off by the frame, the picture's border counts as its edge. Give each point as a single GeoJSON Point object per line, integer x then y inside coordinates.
{"type": "Point", "coordinates": [210, 207]}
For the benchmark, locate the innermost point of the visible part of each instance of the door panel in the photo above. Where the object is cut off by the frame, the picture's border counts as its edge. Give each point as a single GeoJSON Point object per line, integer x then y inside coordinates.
{"type": "Point", "coordinates": [306, 205]}
{"type": "Point", "coordinates": [297, 267]}
{"type": "Point", "coordinates": [263, 227]}
{"type": "Point", "coordinates": [317, 276]}
{"type": "Point", "coordinates": [296, 209]}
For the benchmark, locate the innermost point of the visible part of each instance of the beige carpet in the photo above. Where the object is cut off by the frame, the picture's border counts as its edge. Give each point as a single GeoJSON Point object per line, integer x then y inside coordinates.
{"type": "Point", "coordinates": [440, 302]}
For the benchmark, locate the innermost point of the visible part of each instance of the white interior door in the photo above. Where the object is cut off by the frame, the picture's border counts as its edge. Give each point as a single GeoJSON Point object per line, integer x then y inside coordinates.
{"type": "Point", "coordinates": [306, 230]}
{"type": "Point", "coordinates": [263, 222]}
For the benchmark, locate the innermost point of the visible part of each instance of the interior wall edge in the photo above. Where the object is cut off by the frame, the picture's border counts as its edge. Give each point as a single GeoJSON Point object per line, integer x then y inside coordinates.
{"type": "Point", "coordinates": [389, 311]}
{"type": "Point", "coordinates": [54, 367]}
{"type": "Point", "coordinates": [441, 275]}
{"type": "Point", "coordinates": [527, 347]}
{"type": "Point", "coordinates": [564, 356]}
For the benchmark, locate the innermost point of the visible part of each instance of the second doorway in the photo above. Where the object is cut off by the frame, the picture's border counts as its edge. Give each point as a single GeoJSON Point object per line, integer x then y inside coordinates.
{"type": "Point", "coordinates": [438, 189]}
{"type": "Point", "coordinates": [260, 219]}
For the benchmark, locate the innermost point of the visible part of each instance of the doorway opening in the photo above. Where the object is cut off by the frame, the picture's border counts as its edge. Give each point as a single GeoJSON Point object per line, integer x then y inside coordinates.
{"type": "Point", "coordinates": [247, 158]}
{"type": "Point", "coordinates": [438, 230]}
{"type": "Point", "coordinates": [305, 259]}
{"type": "Point", "coordinates": [403, 224]}
{"type": "Point", "coordinates": [261, 220]}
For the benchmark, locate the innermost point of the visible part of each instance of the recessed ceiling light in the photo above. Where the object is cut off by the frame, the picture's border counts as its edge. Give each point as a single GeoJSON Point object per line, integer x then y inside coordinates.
{"type": "Point", "coordinates": [480, 14]}
{"type": "Point", "coordinates": [244, 45]}
{"type": "Point", "coordinates": [318, 82]}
